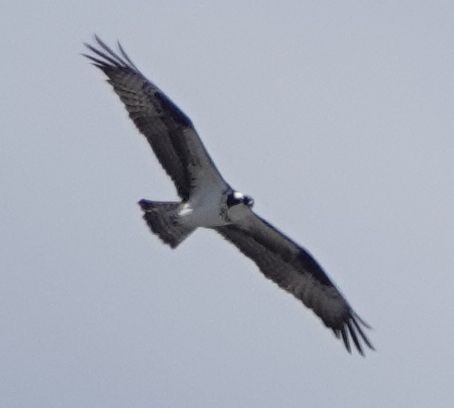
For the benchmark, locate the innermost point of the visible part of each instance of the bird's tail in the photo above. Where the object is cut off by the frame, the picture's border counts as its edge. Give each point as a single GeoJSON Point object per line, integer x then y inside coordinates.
{"type": "Point", "coordinates": [163, 220]}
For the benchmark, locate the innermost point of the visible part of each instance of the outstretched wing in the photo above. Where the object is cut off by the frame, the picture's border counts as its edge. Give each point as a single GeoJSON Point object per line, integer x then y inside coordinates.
{"type": "Point", "coordinates": [169, 131]}
{"type": "Point", "coordinates": [296, 271]}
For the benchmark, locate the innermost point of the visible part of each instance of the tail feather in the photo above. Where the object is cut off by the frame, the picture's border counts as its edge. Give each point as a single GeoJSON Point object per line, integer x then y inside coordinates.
{"type": "Point", "coordinates": [162, 218]}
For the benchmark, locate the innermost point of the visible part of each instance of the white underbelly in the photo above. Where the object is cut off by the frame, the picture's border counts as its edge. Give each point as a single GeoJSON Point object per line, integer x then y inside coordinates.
{"type": "Point", "coordinates": [203, 211]}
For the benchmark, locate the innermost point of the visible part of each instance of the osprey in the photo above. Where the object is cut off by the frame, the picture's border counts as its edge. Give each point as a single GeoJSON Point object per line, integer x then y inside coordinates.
{"type": "Point", "coordinates": [207, 200]}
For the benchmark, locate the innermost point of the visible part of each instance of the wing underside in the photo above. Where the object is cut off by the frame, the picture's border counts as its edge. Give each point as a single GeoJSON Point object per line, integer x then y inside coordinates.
{"type": "Point", "coordinates": [296, 271]}
{"type": "Point", "coordinates": [168, 130]}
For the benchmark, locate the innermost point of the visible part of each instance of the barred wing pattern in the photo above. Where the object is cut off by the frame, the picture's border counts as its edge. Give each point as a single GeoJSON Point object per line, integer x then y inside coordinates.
{"type": "Point", "coordinates": [168, 130]}
{"type": "Point", "coordinates": [296, 271]}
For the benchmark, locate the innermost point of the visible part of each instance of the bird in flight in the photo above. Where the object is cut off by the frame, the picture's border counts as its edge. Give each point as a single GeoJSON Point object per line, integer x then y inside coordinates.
{"type": "Point", "coordinates": [208, 201]}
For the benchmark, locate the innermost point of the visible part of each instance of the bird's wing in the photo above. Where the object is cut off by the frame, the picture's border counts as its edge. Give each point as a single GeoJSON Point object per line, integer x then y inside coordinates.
{"type": "Point", "coordinates": [168, 130]}
{"type": "Point", "coordinates": [296, 271]}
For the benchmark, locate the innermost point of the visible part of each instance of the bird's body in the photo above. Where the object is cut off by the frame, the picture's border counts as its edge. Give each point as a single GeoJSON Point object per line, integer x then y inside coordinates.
{"type": "Point", "coordinates": [208, 201]}
{"type": "Point", "coordinates": [205, 209]}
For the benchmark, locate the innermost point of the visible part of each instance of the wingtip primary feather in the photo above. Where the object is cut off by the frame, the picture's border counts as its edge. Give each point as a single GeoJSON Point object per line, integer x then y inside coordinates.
{"type": "Point", "coordinates": [363, 322]}
{"type": "Point", "coordinates": [354, 337]}
{"type": "Point", "coordinates": [361, 332]}
{"type": "Point", "coordinates": [345, 339]}
{"type": "Point", "coordinates": [352, 328]}
{"type": "Point", "coordinates": [126, 56]}
{"type": "Point", "coordinates": [350, 331]}
{"type": "Point", "coordinates": [105, 58]}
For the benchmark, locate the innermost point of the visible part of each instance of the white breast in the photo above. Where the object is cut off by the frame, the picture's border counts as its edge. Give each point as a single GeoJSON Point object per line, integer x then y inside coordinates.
{"type": "Point", "coordinates": [204, 209]}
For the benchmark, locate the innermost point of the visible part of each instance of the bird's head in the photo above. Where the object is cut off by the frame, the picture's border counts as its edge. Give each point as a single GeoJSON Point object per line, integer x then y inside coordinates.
{"type": "Point", "coordinates": [235, 198]}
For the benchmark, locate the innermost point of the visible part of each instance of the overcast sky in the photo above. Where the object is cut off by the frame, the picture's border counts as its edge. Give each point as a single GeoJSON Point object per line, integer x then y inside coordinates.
{"type": "Point", "coordinates": [337, 117]}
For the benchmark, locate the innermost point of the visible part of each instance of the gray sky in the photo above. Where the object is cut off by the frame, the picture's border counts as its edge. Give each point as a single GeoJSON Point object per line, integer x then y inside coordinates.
{"type": "Point", "coordinates": [337, 117]}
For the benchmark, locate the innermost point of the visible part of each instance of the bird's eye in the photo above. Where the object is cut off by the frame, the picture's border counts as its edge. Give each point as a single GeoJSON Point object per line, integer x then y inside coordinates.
{"type": "Point", "coordinates": [249, 201]}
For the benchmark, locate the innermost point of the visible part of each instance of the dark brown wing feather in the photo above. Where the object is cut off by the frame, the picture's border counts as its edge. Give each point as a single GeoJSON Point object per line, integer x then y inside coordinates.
{"type": "Point", "coordinates": [168, 130]}
{"type": "Point", "coordinates": [297, 272]}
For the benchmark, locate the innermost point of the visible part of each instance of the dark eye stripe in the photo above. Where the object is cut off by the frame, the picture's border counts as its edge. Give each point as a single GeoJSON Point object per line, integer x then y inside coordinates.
{"type": "Point", "coordinates": [231, 200]}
